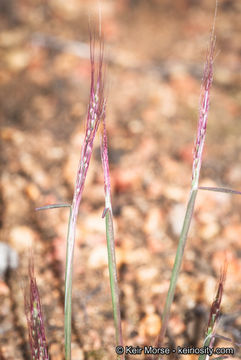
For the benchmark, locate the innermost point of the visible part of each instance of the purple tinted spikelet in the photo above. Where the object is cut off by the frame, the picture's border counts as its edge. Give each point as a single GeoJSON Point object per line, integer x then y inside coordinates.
{"type": "Point", "coordinates": [94, 115]}
{"type": "Point", "coordinates": [203, 111]}
{"type": "Point", "coordinates": [214, 316]}
{"type": "Point", "coordinates": [215, 308]}
{"type": "Point", "coordinates": [34, 315]}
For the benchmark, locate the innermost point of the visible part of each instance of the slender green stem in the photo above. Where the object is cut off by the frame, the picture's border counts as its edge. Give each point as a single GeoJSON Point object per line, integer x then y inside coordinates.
{"type": "Point", "coordinates": [68, 284]}
{"type": "Point", "coordinates": [207, 343]}
{"type": "Point", "coordinates": [113, 278]}
{"type": "Point", "coordinates": [177, 264]}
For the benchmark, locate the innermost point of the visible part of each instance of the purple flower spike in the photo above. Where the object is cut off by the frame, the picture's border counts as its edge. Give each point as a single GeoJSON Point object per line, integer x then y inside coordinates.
{"type": "Point", "coordinates": [94, 116]}
{"type": "Point", "coordinates": [215, 308]}
{"type": "Point", "coordinates": [203, 111]}
{"type": "Point", "coordinates": [34, 315]}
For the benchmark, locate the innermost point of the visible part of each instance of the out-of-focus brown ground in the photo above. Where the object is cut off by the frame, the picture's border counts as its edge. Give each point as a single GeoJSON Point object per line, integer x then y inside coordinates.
{"type": "Point", "coordinates": [155, 52]}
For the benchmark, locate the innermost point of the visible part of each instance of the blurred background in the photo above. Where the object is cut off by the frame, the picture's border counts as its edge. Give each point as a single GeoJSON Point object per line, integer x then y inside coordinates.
{"type": "Point", "coordinates": [155, 51]}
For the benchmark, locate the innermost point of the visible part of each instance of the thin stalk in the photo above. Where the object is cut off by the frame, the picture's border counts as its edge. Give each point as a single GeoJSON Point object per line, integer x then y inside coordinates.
{"type": "Point", "coordinates": [208, 342]}
{"type": "Point", "coordinates": [113, 278]}
{"type": "Point", "coordinates": [68, 285]}
{"type": "Point", "coordinates": [177, 265]}
{"type": "Point", "coordinates": [110, 239]}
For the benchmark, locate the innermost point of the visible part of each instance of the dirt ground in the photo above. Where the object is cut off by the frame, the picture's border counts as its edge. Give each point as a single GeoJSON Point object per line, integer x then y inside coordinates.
{"type": "Point", "coordinates": [155, 51]}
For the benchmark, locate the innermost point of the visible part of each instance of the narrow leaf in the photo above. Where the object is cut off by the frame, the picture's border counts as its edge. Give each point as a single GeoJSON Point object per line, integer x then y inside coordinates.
{"type": "Point", "coordinates": [220, 189]}
{"type": "Point", "coordinates": [107, 213]}
{"type": "Point", "coordinates": [227, 339]}
{"type": "Point", "coordinates": [53, 206]}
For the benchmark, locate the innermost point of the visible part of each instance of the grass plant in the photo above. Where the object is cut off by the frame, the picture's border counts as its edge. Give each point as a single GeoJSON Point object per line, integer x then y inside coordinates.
{"type": "Point", "coordinates": [197, 161]}
{"type": "Point", "coordinates": [94, 116]}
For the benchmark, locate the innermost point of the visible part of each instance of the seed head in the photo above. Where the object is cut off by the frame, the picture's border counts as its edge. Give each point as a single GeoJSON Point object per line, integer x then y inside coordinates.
{"type": "Point", "coordinates": [34, 315]}
{"type": "Point", "coordinates": [215, 308]}
{"type": "Point", "coordinates": [203, 111]}
{"type": "Point", "coordinates": [94, 116]}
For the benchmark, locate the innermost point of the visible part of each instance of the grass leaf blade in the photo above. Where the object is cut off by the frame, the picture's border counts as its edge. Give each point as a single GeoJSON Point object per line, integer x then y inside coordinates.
{"type": "Point", "coordinates": [220, 189]}
{"type": "Point", "coordinates": [52, 206]}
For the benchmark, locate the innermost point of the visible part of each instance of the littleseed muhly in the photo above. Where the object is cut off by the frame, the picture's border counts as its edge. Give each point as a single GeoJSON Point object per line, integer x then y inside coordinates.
{"type": "Point", "coordinates": [94, 116]}
{"type": "Point", "coordinates": [95, 113]}
{"type": "Point", "coordinates": [197, 160]}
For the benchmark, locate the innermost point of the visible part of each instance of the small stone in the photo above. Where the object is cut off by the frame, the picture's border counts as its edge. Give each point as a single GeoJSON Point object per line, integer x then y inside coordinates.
{"type": "Point", "coordinates": [150, 325]}
{"type": "Point", "coordinates": [177, 325]}
{"type": "Point", "coordinates": [232, 232]}
{"type": "Point", "coordinates": [77, 353]}
{"type": "Point", "coordinates": [55, 351]}
{"type": "Point", "coordinates": [98, 257]}
{"type": "Point", "coordinates": [126, 179]}
{"type": "Point", "coordinates": [32, 192]}
{"type": "Point", "coordinates": [154, 221]}
{"type": "Point", "coordinates": [4, 289]}
{"type": "Point", "coordinates": [138, 256]}
{"type": "Point", "coordinates": [8, 259]}
{"type": "Point", "coordinates": [209, 231]}
{"type": "Point", "coordinates": [22, 238]}
{"type": "Point", "coordinates": [120, 256]}
{"type": "Point", "coordinates": [190, 285]}
{"type": "Point", "coordinates": [18, 59]}
{"type": "Point", "coordinates": [12, 37]}
{"type": "Point", "coordinates": [234, 174]}
{"type": "Point", "coordinates": [158, 243]}
{"type": "Point", "coordinates": [174, 193]}
{"type": "Point", "coordinates": [95, 223]}
{"type": "Point", "coordinates": [147, 274]}
{"type": "Point", "coordinates": [176, 217]}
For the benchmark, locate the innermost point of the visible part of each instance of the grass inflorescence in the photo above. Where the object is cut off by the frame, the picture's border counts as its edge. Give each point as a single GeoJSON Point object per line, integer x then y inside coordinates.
{"type": "Point", "coordinates": [35, 320]}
